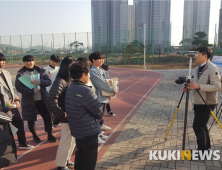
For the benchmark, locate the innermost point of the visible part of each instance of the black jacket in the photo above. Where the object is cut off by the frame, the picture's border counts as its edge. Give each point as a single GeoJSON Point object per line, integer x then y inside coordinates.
{"type": "Point", "coordinates": [28, 102]}
{"type": "Point", "coordinates": [56, 99]}
{"type": "Point", "coordinates": [8, 153]}
{"type": "Point", "coordinates": [83, 110]}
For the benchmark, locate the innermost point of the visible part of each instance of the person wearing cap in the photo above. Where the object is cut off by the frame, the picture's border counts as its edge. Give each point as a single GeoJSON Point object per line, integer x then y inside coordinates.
{"type": "Point", "coordinates": [53, 69]}
{"type": "Point", "coordinates": [10, 103]}
{"type": "Point", "coordinates": [208, 81]}
{"type": "Point", "coordinates": [34, 100]}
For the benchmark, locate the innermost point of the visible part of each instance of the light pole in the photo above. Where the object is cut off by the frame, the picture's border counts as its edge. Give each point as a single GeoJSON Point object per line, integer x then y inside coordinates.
{"type": "Point", "coordinates": [144, 33]}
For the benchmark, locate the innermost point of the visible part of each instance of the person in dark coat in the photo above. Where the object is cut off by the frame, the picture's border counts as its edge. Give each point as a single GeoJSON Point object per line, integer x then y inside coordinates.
{"type": "Point", "coordinates": [56, 104]}
{"type": "Point", "coordinates": [34, 100]}
{"type": "Point", "coordinates": [8, 153]}
{"type": "Point", "coordinates": [84, 111]}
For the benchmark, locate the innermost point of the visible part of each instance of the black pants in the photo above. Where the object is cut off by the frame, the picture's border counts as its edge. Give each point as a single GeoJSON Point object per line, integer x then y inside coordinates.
{"type": "Point", "coordinates": [86, 154]}
{"type": "Point", "coordinates": [40, 106]}
{"type": "Point", "coordinates": [202, 116]}
{"type": "Point", "coordinates": [104, 107]}
{"type": "Point", "coordinates": [18, 123]}
{"type": "Point", "coordinates": [108, 108]}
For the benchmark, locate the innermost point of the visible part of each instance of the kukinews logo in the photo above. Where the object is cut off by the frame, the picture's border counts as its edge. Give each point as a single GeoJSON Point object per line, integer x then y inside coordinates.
{"type": "Point", "coordinates": [180, 155]}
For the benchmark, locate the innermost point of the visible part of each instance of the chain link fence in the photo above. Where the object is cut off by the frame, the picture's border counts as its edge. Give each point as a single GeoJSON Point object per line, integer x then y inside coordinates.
{"type": "Point", "coordinates": [125, 47]}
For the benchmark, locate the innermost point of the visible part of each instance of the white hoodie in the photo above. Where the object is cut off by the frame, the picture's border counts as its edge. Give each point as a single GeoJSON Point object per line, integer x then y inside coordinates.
{"type": "Point", "coordinates": [53, 73]}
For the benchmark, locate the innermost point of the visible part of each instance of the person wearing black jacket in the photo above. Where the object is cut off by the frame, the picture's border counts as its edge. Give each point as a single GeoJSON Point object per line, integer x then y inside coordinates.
{"type": "Point", "coordinates": [34, 100]}
{"type": "Point", "coordinates": [8, 152]}
{"type": "Point", "coordinates": [84, 111]}
{"type": "Point", "coordinates": [56, 104]}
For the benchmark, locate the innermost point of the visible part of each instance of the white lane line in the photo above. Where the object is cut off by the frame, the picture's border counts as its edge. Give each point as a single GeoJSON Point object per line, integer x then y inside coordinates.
{"type": "Point", "coordinates": [127, 77]}
{"type": "Point", "coordinates": [132, 84]}
{"type": "Point", "coordinates": [128, 114]}
{"type": "Point", "coordinates": [36, 146]}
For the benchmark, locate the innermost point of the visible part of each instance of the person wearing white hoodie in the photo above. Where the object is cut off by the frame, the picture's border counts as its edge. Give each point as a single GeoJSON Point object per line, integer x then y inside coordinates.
{"type": "Point", "coordinates": [52, 69]}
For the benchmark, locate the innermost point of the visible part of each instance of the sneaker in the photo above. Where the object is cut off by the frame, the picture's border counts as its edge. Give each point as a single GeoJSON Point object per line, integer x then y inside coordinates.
{"type": "Point", "coordinates": [37, 139]}
{"type": "Point", "coordinates": [104, 127]}
{"type": "Point", "coordinates": [102, 136]}
{"type": "Point", "coordinates": [26, 146]}
{"type": "Point", "coordinates": [56, 125]}
{"type": "Point", "coordinates": [100, 140]}
{"type": "Point", "coordinates": [52, 138]}
{"type": "Point", "coordinates": [70, 164]}
{"type": "Point", "coordinates": [111, 114]}
{"type": "Point", "coordinates": [63, 168]}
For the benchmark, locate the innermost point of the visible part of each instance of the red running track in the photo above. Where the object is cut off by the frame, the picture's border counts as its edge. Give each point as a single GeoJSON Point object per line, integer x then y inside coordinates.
{"type": "Point", "coordinates": [135, 87]}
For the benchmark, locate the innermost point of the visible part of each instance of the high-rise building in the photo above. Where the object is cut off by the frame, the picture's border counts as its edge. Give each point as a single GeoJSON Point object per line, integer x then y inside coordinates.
{"type": "Point", "coordinates": [131, 23]}
{"type": "Point", "coordinates": [220, 28]}
{"type": "Point", "coordinates": [196, 17]}
{"type": "Point", "coordinates": [109, 23]}
{"type": "Point", "coordinates": [156, 16]}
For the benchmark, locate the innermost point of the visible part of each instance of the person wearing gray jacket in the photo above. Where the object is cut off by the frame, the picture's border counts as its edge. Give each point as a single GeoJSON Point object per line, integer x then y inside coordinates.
{"type": "Point", "coordinates": [84, 111]}
{"type": "Point", "coordinates": [98, 76]}
{"type": "Point", "coordinates": [207, 81]}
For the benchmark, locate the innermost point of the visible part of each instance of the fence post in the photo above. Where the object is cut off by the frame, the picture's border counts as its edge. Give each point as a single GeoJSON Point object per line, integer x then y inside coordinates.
{"type": "Point", "coordinates": [64, 44]}
{"type": "Point", "coordinates": [183, 43]}
{"type": "Point", "coordinates": [125, 48]}
{"type": "Point", "coordinates": [168, 42]}
{"type": "Point", "coordinates": [10, 49]}
{"type": "Point", "coordinates": [99, 41]}
{"type": "Point", "coordinates": [42, 50]}
{"type": "Point", "coordinates": [152, 44]}
{"type": "Point", "coordinates": [53, 44]}
{"type": "Point", "coordinates": [88, 44]}
{"type": "Point", "coordinates": [112, 47]}
{"type": "Point", "coordinates": [76, 45]}
{"type": "Point", "coordinates": [21, 47]}
{"type": "Point", "coordinates": [31, 45]}
{"type": "Point", "coordinates": [138, 45]}
{"type": "Point", "coordinates": [1, 43]}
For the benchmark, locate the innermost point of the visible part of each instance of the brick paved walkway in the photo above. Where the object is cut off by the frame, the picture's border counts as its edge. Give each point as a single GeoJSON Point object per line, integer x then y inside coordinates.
{"type": "Point", "coordinates": [147, 130]}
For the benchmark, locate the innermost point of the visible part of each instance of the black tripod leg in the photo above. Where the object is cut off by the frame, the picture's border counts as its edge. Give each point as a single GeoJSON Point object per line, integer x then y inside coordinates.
{"type": "Point", "coordinates": [209, 109]}
{"type": "Point", "coordinates": [185, 120]}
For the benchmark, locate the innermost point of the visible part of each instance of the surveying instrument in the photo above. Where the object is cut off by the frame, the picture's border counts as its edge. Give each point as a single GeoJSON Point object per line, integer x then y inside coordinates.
{"type": "Point", "coordinates": [187, 80]}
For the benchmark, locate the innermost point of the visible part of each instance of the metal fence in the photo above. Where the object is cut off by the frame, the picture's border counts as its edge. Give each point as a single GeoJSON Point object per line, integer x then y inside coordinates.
{"type": "Point", "coordinates": [122, 47]}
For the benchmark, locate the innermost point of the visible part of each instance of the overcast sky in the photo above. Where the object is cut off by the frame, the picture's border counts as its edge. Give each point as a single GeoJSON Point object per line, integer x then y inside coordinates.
{"type": "Point", "coordinates": [47, 17]}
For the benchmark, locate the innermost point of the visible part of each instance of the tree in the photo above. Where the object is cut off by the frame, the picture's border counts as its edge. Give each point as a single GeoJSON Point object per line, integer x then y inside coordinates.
{"type": "Point", "coordinates": [77, 45]}
{"type": "Point", "coordinates": [187, 43]}
{"type": "Point", "coordinates": [199, 39]}
{"type": "Point", "coordinates": [129, 51]}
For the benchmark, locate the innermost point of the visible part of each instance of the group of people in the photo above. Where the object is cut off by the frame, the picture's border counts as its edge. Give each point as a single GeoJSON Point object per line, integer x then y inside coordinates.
{"type": "Point", "coordinates": [69, 96]}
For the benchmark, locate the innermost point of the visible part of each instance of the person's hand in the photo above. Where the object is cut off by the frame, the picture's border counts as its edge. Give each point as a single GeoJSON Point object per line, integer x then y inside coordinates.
{"type": "Point", "coordinates": [33, 82]}
{"type": "Point", "coordinates": [38, 90]}
{"type": "Point", "coordinates": [49, 75]}
{"type": "Point", "coordinates": [193, 85]}
{"type": "Point", "coordinates": [17, 104]}
{"type": "Point", "coordinates": [10, 114]}
{"type": "Point", "coordinates": [184, 90]}
{"type": "Point", "coordinates": [65, 115]}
